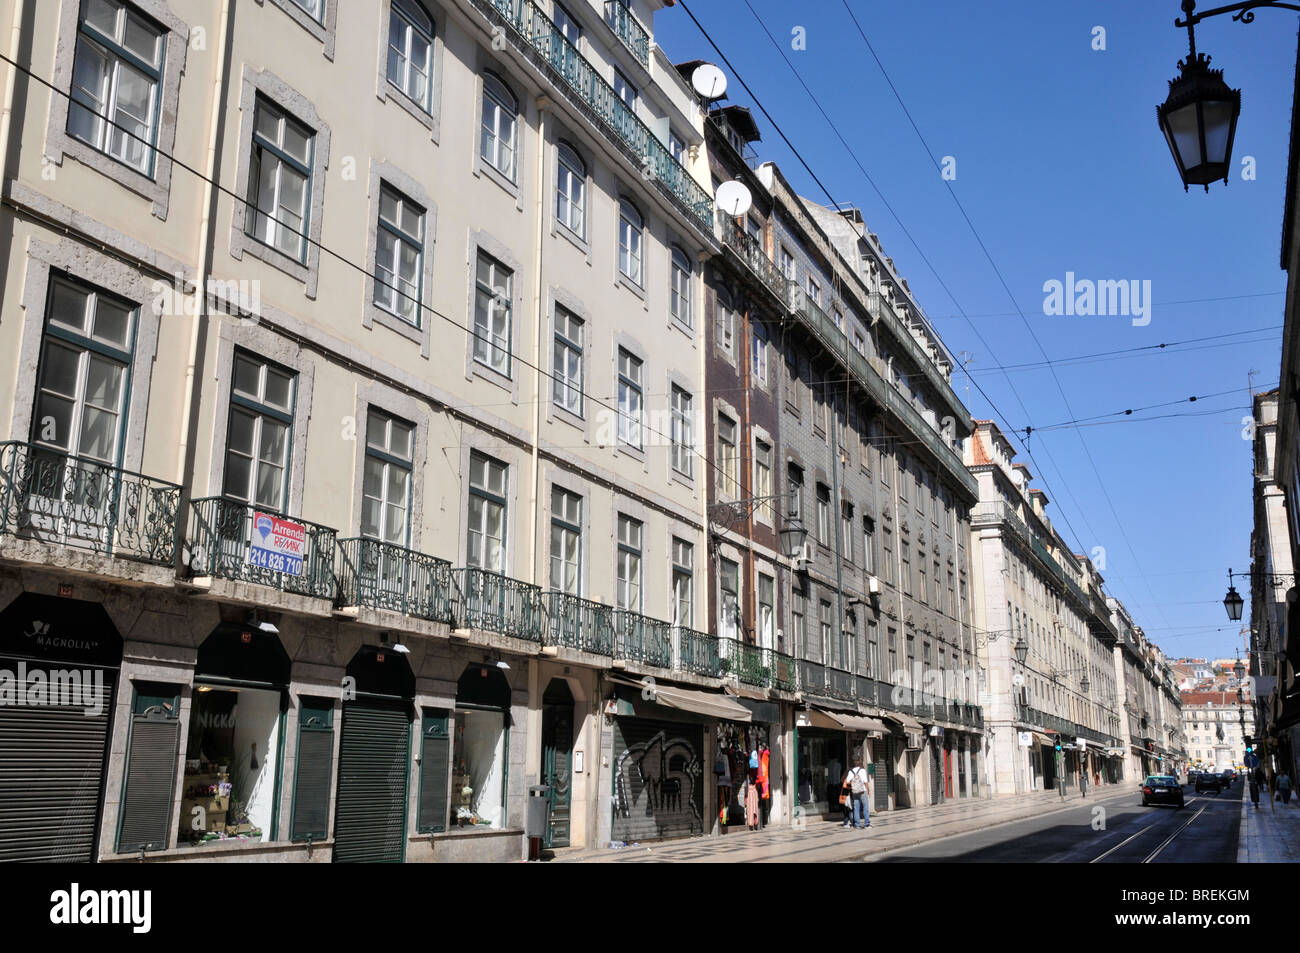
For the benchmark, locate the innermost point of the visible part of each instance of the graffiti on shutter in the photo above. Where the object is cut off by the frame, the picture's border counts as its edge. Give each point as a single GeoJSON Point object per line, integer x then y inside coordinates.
{"type": "Point", "coordinates": [658, 780]}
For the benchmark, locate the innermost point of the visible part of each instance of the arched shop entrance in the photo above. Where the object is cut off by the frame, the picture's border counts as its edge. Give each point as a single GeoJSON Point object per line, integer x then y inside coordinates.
{"type": "Point", "coordinates": [59, 663]}
{"type": "Point", "coordinates": [374, 755]}
{"type": "Point", "coordinates": [480, 748]}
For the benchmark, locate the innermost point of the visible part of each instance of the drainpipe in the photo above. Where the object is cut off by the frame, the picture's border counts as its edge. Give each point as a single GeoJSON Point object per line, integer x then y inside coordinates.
{"type": "Point", "coordinates": [15, 41]}
{"type": "Point", "coordinates": [838, 517]}
{"type": "Point", "coordinates": [205, 254]}
{"type": "Point", "coordinates": [540, 307]}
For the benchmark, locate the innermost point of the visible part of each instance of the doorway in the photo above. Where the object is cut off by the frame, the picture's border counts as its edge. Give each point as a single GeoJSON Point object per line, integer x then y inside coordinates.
{"type": "Point", "coordinates": [557, 759]}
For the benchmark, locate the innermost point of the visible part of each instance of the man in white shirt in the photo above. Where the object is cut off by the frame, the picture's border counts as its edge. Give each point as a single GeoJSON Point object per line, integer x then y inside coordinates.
{"type": "Point", "coordinates": [859, 793]}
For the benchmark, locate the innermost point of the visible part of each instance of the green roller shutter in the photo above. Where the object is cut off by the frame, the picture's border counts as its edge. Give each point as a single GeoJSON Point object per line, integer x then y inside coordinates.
{"type": "Point", "coordinates": [150, 782]}
{"type": "Point", "coordinates": [884, 780]}
{"type": "Point", "coordinates": [52, 779]}
{"type": "Point", "coordinates": [370, 817]}
{"type": "Point", "coordinates": [435, 771]}
{"type": "Point", "coordinates": [313, 770]}
{"type": "Point", "coordinates": [936, 772]}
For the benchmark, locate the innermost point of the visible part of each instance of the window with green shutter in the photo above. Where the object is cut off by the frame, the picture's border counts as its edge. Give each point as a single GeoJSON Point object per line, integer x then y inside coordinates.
{"type": "Point", "coordinates": [150, 779]}
{"type": "Point", "coordinates": [435, 764]}
{"type": "Point", "coordinates": [314, 769]}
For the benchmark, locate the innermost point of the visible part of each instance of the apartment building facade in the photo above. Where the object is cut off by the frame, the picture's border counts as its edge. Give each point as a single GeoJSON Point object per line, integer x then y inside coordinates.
{"type": "Point", "coordinates": [1217, 725]}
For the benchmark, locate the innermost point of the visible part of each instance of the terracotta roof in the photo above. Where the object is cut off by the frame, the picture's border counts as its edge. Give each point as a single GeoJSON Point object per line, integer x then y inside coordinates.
{"type": "Point", "coordinates": [982, 457]}
{"type": "Point", "coordinates": [1209, 698]}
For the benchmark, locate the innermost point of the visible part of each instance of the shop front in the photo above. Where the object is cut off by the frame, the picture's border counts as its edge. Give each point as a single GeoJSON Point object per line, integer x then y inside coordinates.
{"type": "Point", "coordinates": [908, 746]}
{"type": "Point", "coordinates": [59, 665]}
{"type": "Point", "coordinates": [747, 767]}
{"type": "Point", "coordinates": [821, 762]}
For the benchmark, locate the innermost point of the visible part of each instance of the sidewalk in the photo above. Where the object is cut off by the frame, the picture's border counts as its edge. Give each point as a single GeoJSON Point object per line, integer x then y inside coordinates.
{"type": "Point", "coordinates": [1269, 836]}
{"type": "Point", "coordinates": [827, 841]}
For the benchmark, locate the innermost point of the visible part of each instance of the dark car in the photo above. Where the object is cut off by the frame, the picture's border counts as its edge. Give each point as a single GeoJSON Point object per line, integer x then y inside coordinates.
{"type": "Point", "coordinates": [1206, 781]}
{"type": "Point", "coordinates": [1229, 776]}
{"type": "Point", "coordinates": [1162, 789]}
{"type": "Point", "coordinates": [1192, 776]}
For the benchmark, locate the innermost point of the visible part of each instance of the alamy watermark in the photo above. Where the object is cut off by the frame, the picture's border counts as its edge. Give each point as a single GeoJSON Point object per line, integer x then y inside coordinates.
{"type": "Point", "coordinates": [1083, 297]}
{"type": "Point", "coordinates": [62, 688]}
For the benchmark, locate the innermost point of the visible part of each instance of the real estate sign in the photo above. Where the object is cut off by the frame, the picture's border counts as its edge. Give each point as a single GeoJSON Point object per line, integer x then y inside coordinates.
{"type": "Point", "coordinates": [277, 544]}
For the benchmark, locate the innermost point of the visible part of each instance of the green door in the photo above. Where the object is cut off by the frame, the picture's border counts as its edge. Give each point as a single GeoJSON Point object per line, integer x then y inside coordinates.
{"type": "Point", "coordinates": [557, 757]}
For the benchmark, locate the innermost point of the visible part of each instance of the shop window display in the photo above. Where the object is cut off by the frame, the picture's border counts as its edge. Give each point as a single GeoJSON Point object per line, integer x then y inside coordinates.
{"type": "Point", "coordinates": [478, 769]}
{"type": "Point", "coordinates": [231, 767]}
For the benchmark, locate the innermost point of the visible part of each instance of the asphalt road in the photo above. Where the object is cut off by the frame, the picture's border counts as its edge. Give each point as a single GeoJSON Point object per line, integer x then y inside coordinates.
{"type": "Point", "coordinates": [1112, 829]}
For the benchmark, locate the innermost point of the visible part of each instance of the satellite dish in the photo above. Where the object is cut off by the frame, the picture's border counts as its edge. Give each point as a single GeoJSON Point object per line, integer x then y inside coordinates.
{"type": "Point", "coordinates": [1017, 680]}
{"type": "Point", "coordinates": [709, 81]}
{"type": "Point", "coordinates": [733, 198]}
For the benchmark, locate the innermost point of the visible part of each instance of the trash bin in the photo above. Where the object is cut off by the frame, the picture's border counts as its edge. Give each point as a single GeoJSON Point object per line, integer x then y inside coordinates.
{"type": "Point", "coordinates": [539, 811]}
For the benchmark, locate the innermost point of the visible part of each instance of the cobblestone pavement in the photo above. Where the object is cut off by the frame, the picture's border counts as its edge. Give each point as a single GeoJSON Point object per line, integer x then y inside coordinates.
{"type": "Point", "coordinates": [1269, 835]}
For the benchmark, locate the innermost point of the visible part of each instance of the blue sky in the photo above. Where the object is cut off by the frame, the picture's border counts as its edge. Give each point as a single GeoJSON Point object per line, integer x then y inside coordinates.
{"type": "Point", "coordinates": [1062, 168]}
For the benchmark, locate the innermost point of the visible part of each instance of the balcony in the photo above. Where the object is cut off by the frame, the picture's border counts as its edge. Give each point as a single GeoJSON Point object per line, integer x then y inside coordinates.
{"type": "Point", "coordinates": [994, 514]}
{"type": "Point", "coordinates": [840, 684]}
{"type": "Point", "coordinates": [642, 639]}
{"type": "Point", "coordinates": [482, 599]}
{"type": "Point", "coordinates": [577, 623]}
{"type": "Point", "coordinates": [878, 306]}
{"type": "Point", "coordinates": [748, 250]}
{"type": "Point", "coordinates": [539, 35]}
{"type": "Point", "coordinates": [785, 674]}
{"type": "Point", "coordinates": [221, 535]}
{"type": "Point", "coordinates": [749, 664]}
{"type": "Point", "coordinates": [52, 498]}
{"type": "Point", "coordinates": [380, 575]}
{"type": "Point", "coordinates": [627, 29]}
{"type": "Point", "coordinates": [1045, 554]}
{"type": "Point", "coordinates": [698, 653]}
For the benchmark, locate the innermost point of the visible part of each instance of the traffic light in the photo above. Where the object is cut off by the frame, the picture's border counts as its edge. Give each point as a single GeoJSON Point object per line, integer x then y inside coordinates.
{"type": "Point", "coordinates": [1058, 744]}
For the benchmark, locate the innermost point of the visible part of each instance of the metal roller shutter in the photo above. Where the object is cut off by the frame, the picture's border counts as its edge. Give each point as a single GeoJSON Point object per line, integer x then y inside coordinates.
{"type": "Point", "coordinates": [313, 772]}
{"type": "Point", "coordinates": [658, 780]}
{"type": "Point", "coordinates": [884, 772]}
{"type": "Point", "coordinates": [435, 771]}
{"type": "Point", "coordinates": [150, 783]}
{"type": "Point", "coordinates": [52, 763]}
{"type": "Point", "coordinates": [936, 773]}
{"type": "Point", "coordinates": [370, 819]}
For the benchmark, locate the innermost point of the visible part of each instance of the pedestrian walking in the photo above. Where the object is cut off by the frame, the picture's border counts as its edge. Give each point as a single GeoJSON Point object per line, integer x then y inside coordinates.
{"type": "Point", "coordinates": [1256, 782]}
{"type": "Point", "coordinates": [1284, 787]}
{"type": "Point", "coordinates": [859, 791]}
{"type": "Point", "coordinates": [846, 801]}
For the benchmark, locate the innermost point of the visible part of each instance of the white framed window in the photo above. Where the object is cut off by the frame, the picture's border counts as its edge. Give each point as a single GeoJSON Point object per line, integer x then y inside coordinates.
{"type": "Point", "coordinates": [486, 538]}
{"type": "Point", "coordinates": [728, 462]}
{"type": "Point", "coordinates": [499, 126]}
{"type": "Point", "coordinates": [566, 542]}
{"type": "Point", "coordinates": [766, 611]}
{"type": "Point", "coordinates": [823, 515]}
{"type": "Point", "coordinates": [492, 314]}
{"type": "Point", "coordinates": [729, 606]}
{"type": "Point", "coordinates": [814, 291]}
{"type": "Point", "coordinates": [631, 227]}
{"type": "Point", "coordinates": [683, 570]}
{"type": "Point", "coordinates": [726, 325]}
{"type": "Point", "coordinates": [568, 360]}
{"type": "Point", "coordinates": [676, 148]}
{"type": "Point", "coordinates": [313, 8]}
{"type": "Point", "coordinates": [399, 255]}
{"type": "Point", "coordinates": [763, 479]}
{"type": "Point", "coordinates": [571, 190]}
{"type": "Point", "coordinates": [794, 495]}
{"type": "Point", "coordinates": [386, 483]}
{"type": "Point", "coordinates": [787, 264]}
{"type": "Point", "coordinates": [680, 291]}
{"type": "Point", "coordinates": [565, 23]}
{"type": "Point", "coordinates": [846, 529]}
{"type": "Point", "coordinates": [116, 82]}
{"type": "Point", "coordinates": [758, 352]}
{"type": "Point", "coordinates": [631, 399]}
{"type": "Point", "coordinates": [257, 439]}
{"type": "Point", "coordinates": [279, 181]}
{"type": "Point", "coordinates": [838, 317]}
{"type": "Point", "coordinates": [630, 533]}
{"type": "Point", "coordinates": [410, 50]}
{"type": "Point", "coordinates": [683, 434]}
{"type": "Point", "coordinates": [624, 89]}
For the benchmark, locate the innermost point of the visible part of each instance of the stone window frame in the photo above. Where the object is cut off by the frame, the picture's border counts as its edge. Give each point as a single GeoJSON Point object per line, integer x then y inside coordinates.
{"type": "Point", "coordinates": [277, 91]}
{"type": "Point", "coordinates": [759, 434]}
{"type": "Point", "coordinates": [699, 460]}
{"type": "Point", "coordinates": [482, 167]}
{"type": "Point", "coordinates": [431, 116]}
{"type": "Point", "coordinates": [415, 412]}
{"type": "Point", "coordinates": [480, 240]}
{"type": "Point", "coordinates": [581, 242]}
{"type": "Point", "coordinates": [557, 296]}
{"type": "Point", "coordinates": [326, 33]}
{"type": "Point", "coordinates": [88, 266]}
{"type": "Point", "coordinates": [381, 173]}
{"type": "Point", "coordinates": [489, 445]}
{"type": "Point", "coordinates": [59, 143]}
{"type": "Point", "coordinates": [635, 348]}
{"type": "Point", "coordinates": [558, 478]}
{"type": "Point", "coordinates": [617, 506]}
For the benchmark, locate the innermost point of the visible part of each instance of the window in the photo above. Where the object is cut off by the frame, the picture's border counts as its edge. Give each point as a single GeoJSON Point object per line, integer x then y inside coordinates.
{"type": "Point", "coordinates": [313, 8]}
{"type": "Point", "coordinates": [568, 360]}
{"type": "Point", "coordinates": [905, 558]}
{"type": "Point", "coordinates": [386, 486]}
{"type": "Point", "coordinates": [630, 226]}
{"type": "Point", "coordinates": [894, 674]}
{"type": "Point", "coordinates": [823, 515]}
{"type": "Point", "coordinates": [922, 589]}
{"type": "Point", "coordinates": [492, 314]}
{"type": "Point", "coordinates": [676, 148]}
{"type": "Point", "coordinates": [763, 479]}
{"type": "Point", "coordinates": [838, 317]}
{"type": "Point", "coordinates": [399, 255]}
{"type": "Point", "coordinates": [628, 595]}
{"type": "Point", "coordinates": [825, 632]}
{"type": "Point", "coordinates": [754, 230]}
{"type": "Point", "coordinates": [758, 353]}
{"type": "Point", "coordinates": [630, 399]}
{"type": "Point", "coordinates": [116, 83]}
{"type": "Point", "coordinates": [410, 50]}
{"type": "Point", "coordinates": [683, 433]}
{"type": "Point", "coordinates": [571, 190]}
{"type": "Point", "coordinates": [257, 442]}
{"type": "Point", "coordinates": [869, 545]}
{"type": "Point", "coordinates": [814, 291]}
{"type": "Point", "coordinates": [683, 583]}
{"type": "Point", "coordinates": [787, 263]}
{"type": "Point", "coordinates": [794, 479]}
{"type": "Point", "coordinates": [566, 541]}
{"type": "Point", "coordinates": [873, 650]}
{"type": "Point", "coordinates": [729, 607]}
{"type": "Point", "coordinates": [680, 292]}
{"type": "Point", "coordinates": [500, 116]}
{"type": "Point", "coordinates": [798, 625]}
{"type": "Point", "coordinates": [859, 344]}
{"type": "Point", "coordinates": [279, 181]}
{"type": "Point", "coordinates": [487, 513]}
{"type": "Point", "coordinates": [624, 89]}
{"type": "Point", "coordinates": [846, 529]}
{"type": "Point", "coordinates": [728, 480]}
{"type": "Point", "coordinates": [766, 611]}
{"type": "Point", "coordinates": [726, 326]}
{"type": "Point", "coordinates": [567, 26]}
{"type": "Point", "coordinates": [887, 550]}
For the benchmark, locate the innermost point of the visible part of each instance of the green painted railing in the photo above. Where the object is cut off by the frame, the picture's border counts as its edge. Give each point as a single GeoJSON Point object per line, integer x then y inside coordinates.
{"type": "Point", "coordinates": [48, 496]}
{"type": "Point", "coordinates": [699, 653]}
{"type": "Point", "coordinates": [627, 29]}
{"type": "Point", "coordinates": [220, 544]}
{"type": "Point", "coordinates": [879, 307]}
{"type": "Point", "coordinates": [812, 677]}
{"type": "Point", "coordinates": [482, 599]}
{"type": "Point", "coordinates": [384, 576]}
{"type": "Point", "coordinates": [751, 253]}
{"type": "Point", "coordinates": [785, 673]}
{"type": "Point", "coordinates": [643, 639]}
{"type": "Point", "coordinates": [840, 684]}
{"type": "Point", "coordinates": [578, 623]}
{"type": "Point", "coordinates": [748, 663]}
{"type": "Point", "coordinates": [536, 29]}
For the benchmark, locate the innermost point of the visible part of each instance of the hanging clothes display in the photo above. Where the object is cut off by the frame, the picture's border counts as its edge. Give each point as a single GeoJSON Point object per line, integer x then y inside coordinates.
{"type": "Point", "coordinates": [751, 804]}
{"type": "Point", "coordinates": [764, 777]}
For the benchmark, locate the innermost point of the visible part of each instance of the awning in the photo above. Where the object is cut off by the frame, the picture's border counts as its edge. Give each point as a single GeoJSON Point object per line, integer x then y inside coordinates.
{"type": "Point", "coordinates": [1043, 739]}
{"type": "Point", "coordinates": [709, 704]}
{"type": "Point", "coordinates": [907, 722]}
{"type": "Point", "coordinates": [856, 722]}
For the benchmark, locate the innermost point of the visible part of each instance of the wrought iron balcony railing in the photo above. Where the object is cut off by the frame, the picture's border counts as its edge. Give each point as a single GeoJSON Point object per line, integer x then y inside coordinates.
{"type": "Point", "coordinates": [839, 683]}
{"type": "Point", "coordinates": [536, 29]}
{"type": "Point", "coordinates": [878, 306]}
{"type": "Point", "coordinates": [627, 29]}
{"type": "Point", "coordinates": [698, 653]}
{"type": "Point", "coordinates": [222, 534]}
{"type": "Point", "coordinates": [384, 576]}
{"type": "Point", "coordinates": [812, 677]}
{"type": "Point", "coordinates": [487, 600]}
{"type": "Point", "coordinates": [751, 253]}
{"type": "Point", "coordinates": [51, 497]}
{"type": "Point", "coordinates": [579, 623]}
{"type": "Point", "coordinates": [748, 663]}
{"type": "Point", "coordinates": [785, 674]}
{"type": "Point", "coordinates": [643, 639]}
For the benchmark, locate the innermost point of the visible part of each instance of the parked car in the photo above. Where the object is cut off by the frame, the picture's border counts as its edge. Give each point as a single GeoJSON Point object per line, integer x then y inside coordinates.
{"type": "Point", "coordinates": [1192, 775]}
{"type": "Point", "coordinates": [1229, 775]}
{"type": "Point", "coordinates": [1162, 789]}
{"type": "Point", "coordinates": [1206, 781]}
